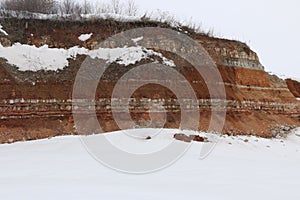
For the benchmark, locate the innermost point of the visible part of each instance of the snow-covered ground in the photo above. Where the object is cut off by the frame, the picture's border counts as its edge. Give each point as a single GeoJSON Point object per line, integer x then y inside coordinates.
{"type": "Point", "coordinates": [61, 168]}
{"type": "Point", "coordinates": [32, 58]}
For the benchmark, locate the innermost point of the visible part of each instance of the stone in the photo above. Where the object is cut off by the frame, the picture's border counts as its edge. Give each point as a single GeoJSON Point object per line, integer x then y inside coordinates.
{"type": "Point", "coordinates": [186, 138]}
{"type": "Point", "coordinates": [183, 137]}
{"type": "Point", "coordinates": [198, 138]}
{"type": "Point", "coordinates": [286, 128]}
{"type": "Point", "coordinates": [5, 42]}
{"type": "Point", "coordinates": [283, 134]}
{"type": "Point", "coordinates": [148, 138]}
{"type": "Point", "coordinates": [274, 133]}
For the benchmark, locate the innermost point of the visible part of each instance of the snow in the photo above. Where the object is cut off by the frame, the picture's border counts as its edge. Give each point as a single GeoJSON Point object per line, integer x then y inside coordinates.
{"type": "Point", "coordinates": [293, 78]}
{"type": "Point", "coordinates": [61, 168]}
{"type": "Point", "coordinates": [32, 58]}
{"type": "Point", "coordinates": [85, 37]}
{"type": "Point", "coordinates": [27, 57]}
{"type": "Point", "coordinates": [284, 77]}
{"type": "Point", "coordinates": [156, 15]}
{"type": "Point", "coordinates": [136, 40]}
{"type": "Point", "coordinates": [2, 31]}
{"type": "Point", "coordinates": [29, 15]}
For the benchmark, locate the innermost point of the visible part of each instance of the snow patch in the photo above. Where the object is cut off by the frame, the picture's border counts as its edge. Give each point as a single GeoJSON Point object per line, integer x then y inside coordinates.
{"type": "Point", "coordinates": [136, 40]}
{"type": "Point", "coordinates": [30, 15]}
{"type": "Point", "coordinates": [85, 37]}
{"type": "Point", "coordinates": [2, 31]}
{"type": "Point", "coordinates": [32, 58]}
{"type": "Point", "coordinates": [164, 59]}
{"type": "Point", "coordinates": [284, 77]}
{"type": "Point", "coordinates": [127, 55]}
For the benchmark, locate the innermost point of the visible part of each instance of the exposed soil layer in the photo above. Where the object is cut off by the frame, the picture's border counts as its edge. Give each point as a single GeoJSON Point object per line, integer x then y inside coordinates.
{"type": "Point", "coordinates": [294, 87]}
{"type": "Point", "coordinates": [37, 105]}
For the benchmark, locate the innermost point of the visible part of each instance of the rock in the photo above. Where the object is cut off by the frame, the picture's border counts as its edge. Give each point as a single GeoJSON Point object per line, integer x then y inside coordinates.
{"type": "Point", "coordinates": [274, 133]}
{"type": "Point", "coordinates": [286, 128]}
{"type": "Point", "coordinates": [186, 138]}
{"type": "Point", "coordinates": [5, 42]}
{"type": "Point", "coordinates": [148, 138]}
{"type": "Point", "coordinates": [198, 138]}
{"type": "Point", "coordinates": [246, 140]}
{"type": "Point", "coordinates": [183, 137]}
{"type": "Point", "coordinates": [283, 134]}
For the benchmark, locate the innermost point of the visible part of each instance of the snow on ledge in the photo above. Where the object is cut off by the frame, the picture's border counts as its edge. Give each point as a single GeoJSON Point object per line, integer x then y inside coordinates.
{"type": "Point", "coordinates": [32, 58]}
{"type": "Point", "coordinates": [73, 17]}
{"type": "Point", "coordinates": [136, 40]}
{"type": "Point", "coordinates": [85, 37]}
{"type": "Point", "coordinates": [284, 77]}
{"type": "Point", "coordinates": [157, 15]}
{"type": "Point", "coordinates": [2, 31]}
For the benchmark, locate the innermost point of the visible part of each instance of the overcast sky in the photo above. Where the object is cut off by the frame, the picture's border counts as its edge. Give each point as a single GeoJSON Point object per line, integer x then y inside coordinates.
{"type": "Point", "coordinates": [270, 27]}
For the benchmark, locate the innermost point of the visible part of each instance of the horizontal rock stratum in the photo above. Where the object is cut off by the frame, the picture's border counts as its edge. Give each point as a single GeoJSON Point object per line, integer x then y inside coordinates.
{"type": "Point", "coordinates": [38, 104]}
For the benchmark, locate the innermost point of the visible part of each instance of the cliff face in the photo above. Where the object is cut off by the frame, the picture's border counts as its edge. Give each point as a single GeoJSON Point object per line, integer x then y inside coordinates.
{"type": "Point", "coordinates": [38, 104]}
{"type": "Point", "coordinates": [294, 87]}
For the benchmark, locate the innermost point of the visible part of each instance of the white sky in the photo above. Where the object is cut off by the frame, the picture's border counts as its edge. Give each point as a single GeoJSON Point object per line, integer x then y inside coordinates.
{"type": "Point", "coordinates": [270, 27]}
